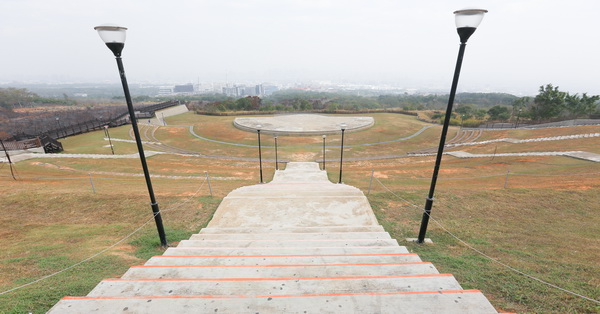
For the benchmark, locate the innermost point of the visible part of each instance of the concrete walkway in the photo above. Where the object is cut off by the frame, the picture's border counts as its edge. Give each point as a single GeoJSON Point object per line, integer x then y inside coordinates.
{"type": "Point", "coordinates": [573, 154]}
{"type": "Point", "coordinates": [299, 244]}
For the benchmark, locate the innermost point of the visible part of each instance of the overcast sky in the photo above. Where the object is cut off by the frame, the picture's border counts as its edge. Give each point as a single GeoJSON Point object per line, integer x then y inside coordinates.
{"type": "Point", "coordinates": [520, 45]}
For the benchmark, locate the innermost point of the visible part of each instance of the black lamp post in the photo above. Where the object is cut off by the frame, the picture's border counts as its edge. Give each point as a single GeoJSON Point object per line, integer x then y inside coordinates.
{"type": "Point", "coordinates": [466, 23]}
{"type": "Point", "coordinates": [276, 159]}
{"type": "Point", "coordinates": [109, 140]}
{"type": "Point", "coordinates": [58, 130]}
{"type": "Point", "coordinates": [114, 38]}
{"type": "Point", "coordinates": [343, 126]}
{"type": "Point", "coordinates": [259, 153]}
{"type": "Point", "coordinates": [8, 158]}
{"type": "Point", "coordinates": [324, 137]}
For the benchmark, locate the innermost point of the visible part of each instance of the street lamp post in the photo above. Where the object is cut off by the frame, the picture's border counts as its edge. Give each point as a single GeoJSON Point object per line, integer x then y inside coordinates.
{"type": "Point", "coordinates": [518, 116]}
{"type": "Point", "coordinates": [276, 159]}
{"type": "Point", "coordinates": [259, 153]}
{"type": "Point", "coordinates": [343, 127]}
{"type": "Point", "coordinates": [114, 38]}
{"type": "Point", "coordinates": [466, 23]}
{"type": "Point", "coordinates": [324, 137]}
{"type": "Point", "coordinates": [58, 130]}
{"type": "Point", "coordinates": [109, 140]}
{"type": "Point", "coordinates": [8, 158]}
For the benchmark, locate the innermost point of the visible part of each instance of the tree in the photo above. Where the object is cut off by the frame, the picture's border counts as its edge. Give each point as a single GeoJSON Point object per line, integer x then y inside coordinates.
{"type": "Point", "coordinates": [11, 96]}
{"type": "Point", "coordinates": [499, 113]}
{"type": "Point", "coordinates": [549, 103]}
{"type": "Point", "coordinates": [581, 106]}
{"type": "Point", "coordinates": [465, 110]}
{"type": "Point", "coordinates": [480, 113]}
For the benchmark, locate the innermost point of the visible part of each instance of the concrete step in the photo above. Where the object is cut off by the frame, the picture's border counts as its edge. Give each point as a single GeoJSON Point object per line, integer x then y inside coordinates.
{"type": "Point", "coordinates": [323, 191]}
{"type": "Point", "coordinates": [284, 271]}
{"type": "Point", "coordinates": [320, 229]}
{"type": "Point", "coordinates": [461, 301]}
{"type": "Point", "coordinates": [264, 212]}
{"type": "Point", "coordinates": [288, 243]}
{"type": "Point", "coordinates": [283, 259]}
{"type": "Point", "coordinates": [273, 286]}
{"type": "Point", "coordinates": [285, 251]}
{"type": "Point", "coordinates": [291, 236]}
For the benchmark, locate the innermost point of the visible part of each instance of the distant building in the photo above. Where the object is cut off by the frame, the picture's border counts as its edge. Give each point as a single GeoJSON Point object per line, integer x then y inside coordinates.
{"type": "Point", "coordinates": [185, 89]}
{"type": "Point", "coordinates": [259, 90]}
{"type": "Point", "coordinates": [165, 91]}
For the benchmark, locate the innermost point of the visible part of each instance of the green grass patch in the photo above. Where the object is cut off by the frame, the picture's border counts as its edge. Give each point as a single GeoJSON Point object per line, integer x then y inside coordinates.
{"type": "Point", "coordinates": [551, 235]}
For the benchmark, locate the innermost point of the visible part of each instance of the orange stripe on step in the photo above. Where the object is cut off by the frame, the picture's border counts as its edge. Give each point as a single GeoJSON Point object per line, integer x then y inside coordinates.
{"type": "Point", "coordinates": [272, 296]}
{"type": "Point", "coordinates": [317, 255]}
{"type": "Point", "coordinates": [269, 266]}
{"type": "Point", "coordinates": [279, 279]}
{"type": "Point", "coordinates": [295, 233]}
{"type": "Point", "coordinates": [292, 240]}
{"type": "Point", "coordinates": [286, 248]}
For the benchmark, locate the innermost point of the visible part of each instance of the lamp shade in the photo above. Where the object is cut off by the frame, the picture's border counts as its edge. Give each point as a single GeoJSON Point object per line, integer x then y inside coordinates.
{"type": "Point", "coordinates": [469, 17]}
{"type": "Point", "coordinates": [467, 21]}
{"type": "Point", "coordinates": [111, 33]}
{"type": "Point", "coordinates": [113, 36]}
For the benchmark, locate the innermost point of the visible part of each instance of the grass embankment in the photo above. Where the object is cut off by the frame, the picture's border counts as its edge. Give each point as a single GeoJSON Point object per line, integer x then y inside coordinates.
{"type": "Point", "coordinates": [545, 224]}
{"type": "Point", "coordinates": [542, 218]}
{"type": "Point", "coordinates": [388, 127]}
{"type": "Point", "coordinates": [95, 143]}
{"type": "Point", "coordinates": [54, 220]}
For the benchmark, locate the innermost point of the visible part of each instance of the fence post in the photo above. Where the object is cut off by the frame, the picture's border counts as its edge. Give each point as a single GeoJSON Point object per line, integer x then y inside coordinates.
{"type": "Point", "coordinates": [506, 179]}
{"type": "Point", "coordinates": [208, 180]}
{"type": "Point", "coordinates": [92, 183]}
{"type": "Point", "coordinates": [371, 181]}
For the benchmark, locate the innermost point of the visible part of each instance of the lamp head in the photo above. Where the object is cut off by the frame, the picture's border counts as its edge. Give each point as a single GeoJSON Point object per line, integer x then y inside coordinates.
{"type": "Point", "coordinates": [467, 21]}
{"type": "Point", "coordinates": [324, 136]}
{"type": "Point", "coordinates": [113, 36]}
{"type": "Point", "coordinates": [343, 126]}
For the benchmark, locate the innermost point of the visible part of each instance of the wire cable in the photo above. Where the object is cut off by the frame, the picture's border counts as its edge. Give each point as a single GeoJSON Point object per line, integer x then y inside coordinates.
{"type": "Point", "coordinates": [173, 207]}
{"type": "Point", "coordinates": [485, 255]}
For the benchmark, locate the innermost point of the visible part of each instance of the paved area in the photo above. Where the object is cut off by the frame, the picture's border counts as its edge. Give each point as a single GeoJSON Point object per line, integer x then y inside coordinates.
{"type": "Point", "coordinates": [532, 140]}
{"type": "Point", "coordinates": [299, 244]}
{"type": "Point", "coordinates": [26, 156]}
{"type": "Point", "coordinates": [574, 154]}
{"type": "Point", "coordinates": [303, 124]}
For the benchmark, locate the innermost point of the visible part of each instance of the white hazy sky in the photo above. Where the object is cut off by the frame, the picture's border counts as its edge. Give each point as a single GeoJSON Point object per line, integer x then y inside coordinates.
{"type": "Point", "coordinates": [520, 45]}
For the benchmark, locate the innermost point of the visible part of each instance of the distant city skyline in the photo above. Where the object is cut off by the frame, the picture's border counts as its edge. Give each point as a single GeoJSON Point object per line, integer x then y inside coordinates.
{"type": "Point", "coordinates": [520, 45]}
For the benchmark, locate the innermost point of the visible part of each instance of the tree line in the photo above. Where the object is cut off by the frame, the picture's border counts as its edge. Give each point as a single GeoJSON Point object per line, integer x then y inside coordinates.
{"type": "Point", "coordinates": [329, 102]}
{"type": "Point", "coordinates": [551, 103]}
{"type": "Point", "coordinates": [11, 98]}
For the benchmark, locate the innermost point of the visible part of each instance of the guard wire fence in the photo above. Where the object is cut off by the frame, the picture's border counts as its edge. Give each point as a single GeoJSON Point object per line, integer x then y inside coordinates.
{"type": "Point", "coordinates": [173, 207]}
{"type": "Point", "coordinates": [420, 209]}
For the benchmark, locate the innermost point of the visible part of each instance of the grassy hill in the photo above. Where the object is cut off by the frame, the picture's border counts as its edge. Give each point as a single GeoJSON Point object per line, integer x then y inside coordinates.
{"type": "Point", "coordinates": [539, 215]}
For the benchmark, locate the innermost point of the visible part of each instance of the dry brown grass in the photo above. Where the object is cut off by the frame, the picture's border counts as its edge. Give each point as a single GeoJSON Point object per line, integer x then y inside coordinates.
{"type": "Point", "coordinates": [545, 222]}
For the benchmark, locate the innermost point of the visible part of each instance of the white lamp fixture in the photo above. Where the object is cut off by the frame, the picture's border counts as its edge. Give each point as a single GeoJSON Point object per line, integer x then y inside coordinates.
{"type": "Point", "coordinates": [113, 36]}
{"type": "Point", "coordinates": [467, 21]}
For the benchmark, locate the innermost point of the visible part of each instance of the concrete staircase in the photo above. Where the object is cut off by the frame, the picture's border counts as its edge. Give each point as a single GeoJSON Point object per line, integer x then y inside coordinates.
{"type": "Point", "coordinates": [299, 244]}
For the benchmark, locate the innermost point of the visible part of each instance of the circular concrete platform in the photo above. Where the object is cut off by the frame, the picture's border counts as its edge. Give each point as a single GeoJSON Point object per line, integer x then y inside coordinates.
{"type": "Point", "coordinates": [303, 124]}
